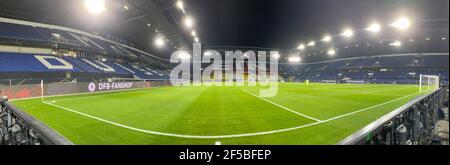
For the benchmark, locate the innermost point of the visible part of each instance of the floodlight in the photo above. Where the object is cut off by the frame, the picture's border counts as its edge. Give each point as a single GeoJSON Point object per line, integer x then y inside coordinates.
{"type": "Point", "coordinates": [331, 52]}
{"type": "Point", "coordinates": [396, 44]}
{"type": "Point", "coordinates": [402, 23]}
{"type": "Point", "coordinates": [374, 28]}
{"type": "Point", "coordinates": [312, 43]}
{"type": "Point", "coordinates": [189, 22]}
{"type": "Point", "coordinates": [347, 33]}
{"type": "Point", "coordinates": [126, 7]}
{"type": "Point", "coordinates": [326, 39]}
{"type": "Point", "coordinates": [196, 40]}
{"type": "Point", "coordinates": [194, 34]}
{"type": "Point", "coordinates": [180, 4]}
{"type": "Point", "coordinates": [159, 42]}
{"type": "Point", "coordinates": [276, 55]}
{"type": "Point", "coordinates": [95, 7]}
{"type": "Point", "coordinates": [301, 47]}
{"type": "Point", "coordinates": [294, 59]}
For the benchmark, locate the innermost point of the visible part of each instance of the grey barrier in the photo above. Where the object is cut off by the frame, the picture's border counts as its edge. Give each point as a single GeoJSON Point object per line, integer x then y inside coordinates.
{"type": "Point", "coordinates": [411, 124]}
{"type": "Point", "coordinates": [19, 128]}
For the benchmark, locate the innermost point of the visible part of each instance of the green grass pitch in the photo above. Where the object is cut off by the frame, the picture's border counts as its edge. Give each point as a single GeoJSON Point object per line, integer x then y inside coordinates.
{"type": "Point", "coordinates": [299, 114]}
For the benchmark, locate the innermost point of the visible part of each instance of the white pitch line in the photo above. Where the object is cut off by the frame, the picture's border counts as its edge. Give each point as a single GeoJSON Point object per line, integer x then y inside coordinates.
{"type": "Point", "coordinates": [99, 94]}
{"type": "Point", "coordinates": [285, 108]}
{"type": "Point", "coordinates": [368, 108]}
{"type": "Point", "coordinates": [222, 136]}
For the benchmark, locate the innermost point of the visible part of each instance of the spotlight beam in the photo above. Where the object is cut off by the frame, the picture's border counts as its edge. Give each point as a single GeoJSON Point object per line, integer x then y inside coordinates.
{"type": "Point", "coordinates": [95, 7]}
{"type": "Point", "coordinates": [374, 28]}
{"type": "Point", "coordinates": [402, 23]}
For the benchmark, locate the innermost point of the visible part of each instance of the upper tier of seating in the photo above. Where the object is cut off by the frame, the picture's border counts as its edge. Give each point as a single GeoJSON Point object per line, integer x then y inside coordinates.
{"type": "Point", "coordinates": [23, 62]}
{"type": "Point", "coordinates": [68, 38]}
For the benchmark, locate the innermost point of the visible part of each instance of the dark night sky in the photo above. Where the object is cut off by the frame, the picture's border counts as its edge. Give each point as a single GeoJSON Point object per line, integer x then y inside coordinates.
{"type": "Point", "coordinates": [279, 24]}
{"type": "Point", "coordinates": [284, 23]}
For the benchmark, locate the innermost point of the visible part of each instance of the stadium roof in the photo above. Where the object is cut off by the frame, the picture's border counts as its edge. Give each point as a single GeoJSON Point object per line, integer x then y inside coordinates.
{"type": "Point", "coordinates": [277, 24]}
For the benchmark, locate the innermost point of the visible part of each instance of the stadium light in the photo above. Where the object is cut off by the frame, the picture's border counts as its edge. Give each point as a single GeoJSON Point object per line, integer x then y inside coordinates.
{"type": "Point", "coordinates": [312, 43]}
{"type": "Point", "coordinates": [188, 22]}
{"type": "Point", "coordinates": [276, 55]}
{"type": "Point", "coordinates": [347, 33]}
{"type": "Point", "coordinates": [95, 7]}
{"type": "Point", "coordinates": [374, 28]}
{"type": "Point", "coordinates": [295, 59]}
{"type": "Point", "coordinates": [159, 42]}
{"type": "Point", "coordinates": [301, 47]}
{"type": "Point", "coordinates": [180, 4]}
{"type": "Point", "coordinates": [327, 38]}
{"type": "Point", "coordinates": [402, 23]}
{"type": "Point", "coordinates": [396, 44]}
{"type": "Point", "coordinates": [331, 52]}
{"type": "Point", "coordinates": [193, 33]}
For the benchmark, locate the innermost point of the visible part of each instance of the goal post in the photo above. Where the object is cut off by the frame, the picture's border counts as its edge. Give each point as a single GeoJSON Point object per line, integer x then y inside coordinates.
{"type": "Point", "coordinates": [428, 82]}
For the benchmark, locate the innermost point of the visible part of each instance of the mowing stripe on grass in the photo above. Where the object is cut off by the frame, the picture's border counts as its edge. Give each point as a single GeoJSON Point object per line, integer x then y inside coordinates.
{"type": "Point", "coordinates": [51, 103]}
{"type": "Point", "coordinates": [387, 90]}
{"type": "Point", "coordinates": [285, 108]}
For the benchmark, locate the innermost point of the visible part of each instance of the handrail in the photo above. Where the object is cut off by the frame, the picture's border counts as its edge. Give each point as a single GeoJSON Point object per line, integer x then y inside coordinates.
{"type": "Point", "coordinates": [29, 130]}
{"type": "Point", "coordinates": [361, 136]}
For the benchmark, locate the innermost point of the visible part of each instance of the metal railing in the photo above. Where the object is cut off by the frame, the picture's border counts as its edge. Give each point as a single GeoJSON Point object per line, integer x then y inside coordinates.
{"type": "Point", "coordinates": [411, 124]}
{"type": "Point", "coordinates": [19, 128]}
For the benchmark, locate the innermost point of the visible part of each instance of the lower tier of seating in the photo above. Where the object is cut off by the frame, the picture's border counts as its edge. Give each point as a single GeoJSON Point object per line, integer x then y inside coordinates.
{"type": "Point", "coordinates": [47, 63]}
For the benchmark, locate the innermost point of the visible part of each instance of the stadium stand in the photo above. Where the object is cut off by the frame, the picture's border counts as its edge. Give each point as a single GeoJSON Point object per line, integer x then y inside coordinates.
{"type": "Point", "coordinates": [23, 62]}
{"type": "Point", "coordinates": [397, 68]}
{"type": "Point", "coordinates": [92, 53]}
{"type": "Point", "coordinates": [19, 62]}
{"type": "Point", "coordinates": [46, 49]}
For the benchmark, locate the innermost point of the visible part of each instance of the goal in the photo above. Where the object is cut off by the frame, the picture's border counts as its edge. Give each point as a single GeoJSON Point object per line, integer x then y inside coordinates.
{"type": "Point", "coordinates": [428, 82]}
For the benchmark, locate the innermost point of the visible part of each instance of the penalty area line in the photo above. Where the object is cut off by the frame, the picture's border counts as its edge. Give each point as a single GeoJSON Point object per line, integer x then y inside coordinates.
{"type": "Point", "coordinates": [285, 108]}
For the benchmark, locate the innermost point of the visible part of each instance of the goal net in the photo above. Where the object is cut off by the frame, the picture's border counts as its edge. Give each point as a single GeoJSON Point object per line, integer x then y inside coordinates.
{"type": "Point", "coordinates": [428, 82]}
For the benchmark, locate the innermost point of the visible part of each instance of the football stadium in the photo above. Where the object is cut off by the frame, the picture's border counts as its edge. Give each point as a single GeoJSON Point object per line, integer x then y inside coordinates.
{"type": "Point", "coordinates": [224, 72]}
